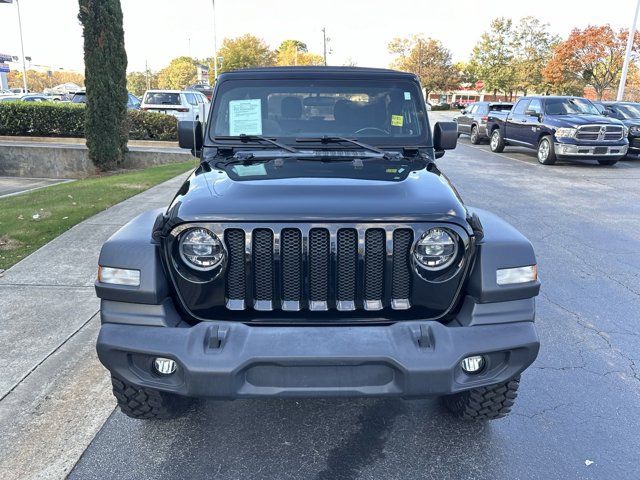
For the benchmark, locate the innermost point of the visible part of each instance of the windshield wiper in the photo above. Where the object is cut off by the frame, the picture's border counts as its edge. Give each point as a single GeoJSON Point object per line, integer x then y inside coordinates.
{"type": "Point", "coordinates": [257, 138]}
{"type": "Point", "coordinates": [327, 139]}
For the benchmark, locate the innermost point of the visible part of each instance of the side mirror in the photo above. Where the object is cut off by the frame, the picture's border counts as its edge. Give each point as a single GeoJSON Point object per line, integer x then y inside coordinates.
{"type": "Point", "coordinates": [445, 137]}
{"type": "Point", "coordinates": [190, 136]}
{"type": "Point", "coordinates": [532, 113]}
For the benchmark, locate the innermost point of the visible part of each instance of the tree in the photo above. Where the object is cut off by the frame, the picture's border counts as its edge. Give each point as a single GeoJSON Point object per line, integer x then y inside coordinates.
{"type": "Point", "coordinates": [532, 46]}
{"type": "Point", "coordinates": [140, 82]}
{"type": "Point", "coordinates": [493, 55]}
{"type": "Point", "coordinates": [105, 60]}
{"type": "Point", "coordinates": [244, 52]}
{"type": "Point", "coordinates": [180, 73]}
{"type": "Point", "coordinates": [428, 59]}
{"type": "Point", "coordinates": [294, 52]}
{"type": "Point", "coordinates": [39, 81]}
{"type": "Point", "coordinates": [591, 56]}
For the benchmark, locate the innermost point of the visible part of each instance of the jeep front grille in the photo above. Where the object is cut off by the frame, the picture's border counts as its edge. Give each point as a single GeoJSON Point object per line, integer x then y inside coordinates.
{"type": "Point", "coordinates": [600, 132]}
{"type": "Point", "coordinates": [318, 268]}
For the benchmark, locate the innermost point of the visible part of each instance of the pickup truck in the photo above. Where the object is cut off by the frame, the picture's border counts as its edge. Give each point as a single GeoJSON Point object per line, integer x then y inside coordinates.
{"type": "Point", "coordinates": [559, 128]}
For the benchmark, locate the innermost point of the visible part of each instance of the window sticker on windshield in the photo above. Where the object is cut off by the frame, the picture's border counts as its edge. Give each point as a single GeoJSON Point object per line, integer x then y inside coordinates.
{"type": "Point", "coordinates": [397, 120]}
{"type": "Point", "coordinates": [407, 95]}
{"type": "Point", "coordinates": [250, 170]}
{"type": "Point", "coordinates": [245, 117]}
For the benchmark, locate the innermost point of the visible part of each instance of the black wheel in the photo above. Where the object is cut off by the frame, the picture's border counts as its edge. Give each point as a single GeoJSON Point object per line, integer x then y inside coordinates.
{"type": "Point", "coordinates": [608, 162]}
{"type": "Point", "coordinates": [485, 403]}
{"type": "Point", "coordinates": [147, 403]}
{"type": "Point", "coordinates": [474, 137]}
{"type": "Point", "coordinates": [496, 143]}
{"type": "Point", "coordinates": [546, 152]}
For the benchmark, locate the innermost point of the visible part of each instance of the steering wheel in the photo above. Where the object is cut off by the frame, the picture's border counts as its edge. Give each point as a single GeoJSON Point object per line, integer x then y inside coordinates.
{"type": "Point", "coordinates": [376, 129]}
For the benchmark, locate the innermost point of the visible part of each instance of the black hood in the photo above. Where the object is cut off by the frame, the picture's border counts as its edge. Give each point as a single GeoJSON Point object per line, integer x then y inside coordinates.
{"type": "Point", "coordinates": [418, 195]}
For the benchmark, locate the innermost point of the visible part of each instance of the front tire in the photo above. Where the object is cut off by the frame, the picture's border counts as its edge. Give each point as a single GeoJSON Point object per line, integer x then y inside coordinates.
{"type": "Point", "coordinates": [497, 142]}
{"type": "Point", "coordinates": [474, 137]}
{"type": "Point", "coordinates": [484, 403]}
{"type": "Point", "coordinates": [546, 152]}
{"type": "Point", "coordinates": [148, 403]}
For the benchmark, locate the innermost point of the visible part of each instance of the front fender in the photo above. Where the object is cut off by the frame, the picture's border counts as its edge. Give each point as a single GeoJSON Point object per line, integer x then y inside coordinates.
{"type": "Point", "coordinates": [132, 247]}
{"type": "Point", "coordinates": [501, 246]}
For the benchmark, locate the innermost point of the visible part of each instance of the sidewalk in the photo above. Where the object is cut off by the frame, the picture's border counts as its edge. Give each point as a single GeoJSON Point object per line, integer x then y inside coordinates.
{"type": "Point", "coordinates": [54, 394]}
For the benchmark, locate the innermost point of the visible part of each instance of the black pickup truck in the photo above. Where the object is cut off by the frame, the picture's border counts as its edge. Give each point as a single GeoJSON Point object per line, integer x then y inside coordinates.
{"type": "Point", "coordinates": [559, 128]}
{"type": "Point", "coordinates": [317, 250]}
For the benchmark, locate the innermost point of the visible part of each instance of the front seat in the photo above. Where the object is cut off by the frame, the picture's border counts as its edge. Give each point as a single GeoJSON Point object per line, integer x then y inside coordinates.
{"type": "Point", "coordinates": [290, 114]}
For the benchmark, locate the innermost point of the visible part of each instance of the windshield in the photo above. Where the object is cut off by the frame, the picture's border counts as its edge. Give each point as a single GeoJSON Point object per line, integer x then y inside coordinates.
{"type": "Point", "coordinates": [627, 111]}
{"type": "Point", "coordinates": [569, 106]}
{"type": "Point", "coordinates": [162, 98]}
{"type": "Point", "coordinates": [376, 111]}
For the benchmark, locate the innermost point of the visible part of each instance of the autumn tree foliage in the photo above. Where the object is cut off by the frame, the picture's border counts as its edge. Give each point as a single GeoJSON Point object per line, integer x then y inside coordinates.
{"type": "Point", "coordinates": [591, 56]}
{"type": "Point", "coordinates": [532, 45]}
{"type": "Point", "coordinates": [427, 58]}
{"type": "Point", "coordinates": [295, 52]}
{"type": "Point", "coordinates": [180, 73]}
{"type": "Point", "coordinates": [39, 81]}
{"type": "Point", "coordinates": [244, 52]}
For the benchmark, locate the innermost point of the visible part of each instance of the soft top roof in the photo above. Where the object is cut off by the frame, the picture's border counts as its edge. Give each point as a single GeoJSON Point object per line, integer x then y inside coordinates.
{"type": "Point", "coordinates": [315, 72]}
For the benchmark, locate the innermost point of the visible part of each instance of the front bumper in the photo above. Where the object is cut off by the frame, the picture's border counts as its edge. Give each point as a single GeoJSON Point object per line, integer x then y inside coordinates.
{"type": "Point", "coordinates": [572, 150]}
{"type": "Point", "coordinates": [234, 360]}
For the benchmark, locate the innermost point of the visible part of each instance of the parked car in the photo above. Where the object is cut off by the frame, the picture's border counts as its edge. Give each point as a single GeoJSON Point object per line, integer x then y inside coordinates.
{"type": "Point", "coordinates": [301, 260]}
{"type": "Point", "coordinates": [9, 98]}
{"type": "Point", "coordinates": [473, 120]}
{"type": "Point", "coordinates": [133, 102]}
{"type": "Point", "coordinates": [183, 105]}
{"type": "Point", "coordinates": [19, 91]}
{"type": "Point", "coordinates": [559, 128]}
{"type": "Point", "coordinates": [4, 93]}
{"type": "Point", "coordinates": [35, 98]}
{"type": "Point", "coordinates": [629, 114]}
{"type": "Point", "coordinates": [204, 88]}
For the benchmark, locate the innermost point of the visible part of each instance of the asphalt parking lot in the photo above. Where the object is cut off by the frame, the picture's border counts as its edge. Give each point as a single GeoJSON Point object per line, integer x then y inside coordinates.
{"type": "Point", "coordinates": [577, 413]}
{"type": "Point", "coordinates": [15, 185]}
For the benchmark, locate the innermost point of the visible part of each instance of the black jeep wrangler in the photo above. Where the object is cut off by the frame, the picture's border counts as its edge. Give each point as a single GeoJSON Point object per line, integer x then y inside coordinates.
{"type": "Point", "coordinates": [317, 250]}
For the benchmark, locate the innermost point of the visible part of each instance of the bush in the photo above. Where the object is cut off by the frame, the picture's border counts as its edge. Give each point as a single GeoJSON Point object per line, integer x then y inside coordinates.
{"type": "Point", "coordinates": [67, 120]}
{"type": "Point", "coordinates": [444, 106]}
{"type": "Point", "coordinates": [40, 119]}
{"type": "Point", "coordinates": [152, 126]}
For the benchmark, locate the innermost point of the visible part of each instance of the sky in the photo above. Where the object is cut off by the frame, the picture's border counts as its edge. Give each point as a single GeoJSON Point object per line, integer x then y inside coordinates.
{"type": "Point", "coordinates": [359, 30]}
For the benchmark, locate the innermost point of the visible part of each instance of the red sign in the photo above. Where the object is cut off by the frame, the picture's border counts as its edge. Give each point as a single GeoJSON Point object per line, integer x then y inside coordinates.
{"type": "Point", "coordinates": [479, 85]}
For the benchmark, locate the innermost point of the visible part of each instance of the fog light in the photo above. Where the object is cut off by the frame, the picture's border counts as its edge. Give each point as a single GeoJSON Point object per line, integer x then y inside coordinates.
{"type": "Point", "coordinates": [472, 364]}
{"type": "Point", "coordinates": [164, 366]}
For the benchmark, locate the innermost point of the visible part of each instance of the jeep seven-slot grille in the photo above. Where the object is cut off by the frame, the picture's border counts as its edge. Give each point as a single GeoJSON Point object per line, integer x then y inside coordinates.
{"type": "Point", "coordinates": [317, 269]}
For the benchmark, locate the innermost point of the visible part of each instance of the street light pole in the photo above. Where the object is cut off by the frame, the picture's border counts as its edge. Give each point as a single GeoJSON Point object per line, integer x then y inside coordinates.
{"type": "Point", "coordinates": [24, 67]}
{"type": "Point", "coordinates": [627, 56]}
{"type": "Point", "coordinates": [215, 45]}
{"type": "Point", "coordinates": [324, 42]}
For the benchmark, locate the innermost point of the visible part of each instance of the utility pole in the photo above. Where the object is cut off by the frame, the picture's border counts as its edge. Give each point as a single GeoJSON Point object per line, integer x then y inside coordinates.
{"type": "Point", "coordinates": [215, 45]}
{"type": "Point", "coordinates": [24, 67]}
{"type": "Point", "coordinates": [324, 42]}
{"type": "Point", "coordinates": [627, 56]}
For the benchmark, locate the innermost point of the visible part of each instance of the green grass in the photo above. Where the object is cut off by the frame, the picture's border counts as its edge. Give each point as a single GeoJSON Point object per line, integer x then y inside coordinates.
{"type": "Point", "coordinates": [30, 220]}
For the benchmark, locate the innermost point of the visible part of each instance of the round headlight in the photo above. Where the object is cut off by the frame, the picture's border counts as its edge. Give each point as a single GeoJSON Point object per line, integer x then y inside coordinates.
{"type": "Point", "coordinates": [436, 250]}
{"type": "Point", "coordinates": [201, 249]}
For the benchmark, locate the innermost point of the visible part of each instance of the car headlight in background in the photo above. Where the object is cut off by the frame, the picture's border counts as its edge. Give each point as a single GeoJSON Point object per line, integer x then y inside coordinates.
{"type": "Point", "coordinates": [566, 132]}
{"type": "Point", "coordinates": [510, 276]}
{"type": "Point", "coordinates": [436, 250]}
{"type": "Point", "coordinates": [201, 249]}
{"type": "Point", "coordinates": [634, 130]}
{"type": "Point", "coordinates": [625, 129]}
